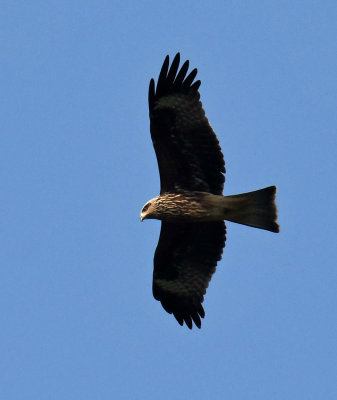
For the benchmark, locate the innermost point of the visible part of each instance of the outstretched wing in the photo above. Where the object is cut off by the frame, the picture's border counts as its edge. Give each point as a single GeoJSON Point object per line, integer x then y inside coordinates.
{"type": "Point", "coordinates": [184, 262]}
{"type": "Point", "coordinates": [188, 152]}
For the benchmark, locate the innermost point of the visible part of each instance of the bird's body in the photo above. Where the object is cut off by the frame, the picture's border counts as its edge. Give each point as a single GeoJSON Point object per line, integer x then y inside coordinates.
{"type": "Point", "coordinates": [191, 205]}
{"type": "Point", "coordinates": [186, 207]}
{"type": "Point", "coordinates": [255, 209]}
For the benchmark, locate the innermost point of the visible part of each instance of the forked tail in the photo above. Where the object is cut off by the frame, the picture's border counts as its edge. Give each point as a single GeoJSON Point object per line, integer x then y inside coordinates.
{"type": "Point", "coordinates": [257, 209]}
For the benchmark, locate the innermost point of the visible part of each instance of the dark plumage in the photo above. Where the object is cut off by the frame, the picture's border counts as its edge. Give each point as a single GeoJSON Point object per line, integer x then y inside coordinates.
{"type": "Point", "coordinates": [191, 205]}
{"type": "Point", "coordinates": [185, 259]}
{"type": "Point", "coordinates": [188, 151]}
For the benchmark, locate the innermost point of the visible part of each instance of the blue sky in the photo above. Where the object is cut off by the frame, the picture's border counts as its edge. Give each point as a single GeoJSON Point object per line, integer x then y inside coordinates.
{"type": "Point", "coordinates": [77, 316]}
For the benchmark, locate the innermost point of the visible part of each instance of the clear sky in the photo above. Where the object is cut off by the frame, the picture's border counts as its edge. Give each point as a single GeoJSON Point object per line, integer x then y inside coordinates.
{"type": "Point", "coordinates": [77, 316]}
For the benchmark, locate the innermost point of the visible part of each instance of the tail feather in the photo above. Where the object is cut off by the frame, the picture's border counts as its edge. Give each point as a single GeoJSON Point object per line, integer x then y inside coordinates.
{"type": "Point", "coordinates": [256, 209]}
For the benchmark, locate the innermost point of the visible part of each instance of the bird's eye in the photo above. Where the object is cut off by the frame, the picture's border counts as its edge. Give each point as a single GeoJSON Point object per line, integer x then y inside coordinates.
{"type": "Point", "coordinates": [146, 207]}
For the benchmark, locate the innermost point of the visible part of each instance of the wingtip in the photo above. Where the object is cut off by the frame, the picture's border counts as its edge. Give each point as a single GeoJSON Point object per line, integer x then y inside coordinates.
{"type": "Point", "coordinates": [201, 311]}
{"type": "Point", "coordinates": [189, 318]}
{"type": "Point", "coordinates": [151, 94]}
{"type": "Point", "coordinates": [188, 322]}
{"type": "Point", "coordinates": [190, 78]}
{"type": "Point", "coordinates": [196, 85]}
{"type": "Point", "coordinates": [171, 78]}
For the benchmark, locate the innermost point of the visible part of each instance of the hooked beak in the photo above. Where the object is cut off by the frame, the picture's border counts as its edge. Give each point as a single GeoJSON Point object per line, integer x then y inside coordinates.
{"type": "Point", "coordinates": [141, 218]}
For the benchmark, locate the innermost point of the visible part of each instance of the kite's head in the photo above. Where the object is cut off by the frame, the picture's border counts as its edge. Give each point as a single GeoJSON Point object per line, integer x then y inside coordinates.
{"type": "Point", "coordinates": [149, 210]}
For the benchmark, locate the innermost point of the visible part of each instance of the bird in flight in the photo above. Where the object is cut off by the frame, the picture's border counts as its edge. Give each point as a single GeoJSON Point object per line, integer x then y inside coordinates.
{"type": "Point", "coordinates": [191, 205]}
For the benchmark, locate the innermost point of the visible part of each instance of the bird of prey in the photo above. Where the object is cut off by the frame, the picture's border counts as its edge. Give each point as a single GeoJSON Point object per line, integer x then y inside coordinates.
{"type": "Point", "coordinates": [191, 205]}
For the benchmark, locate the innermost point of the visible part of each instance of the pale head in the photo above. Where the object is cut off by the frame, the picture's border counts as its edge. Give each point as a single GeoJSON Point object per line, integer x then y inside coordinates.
{"type": "Point", "coordinates": [149, 210]}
